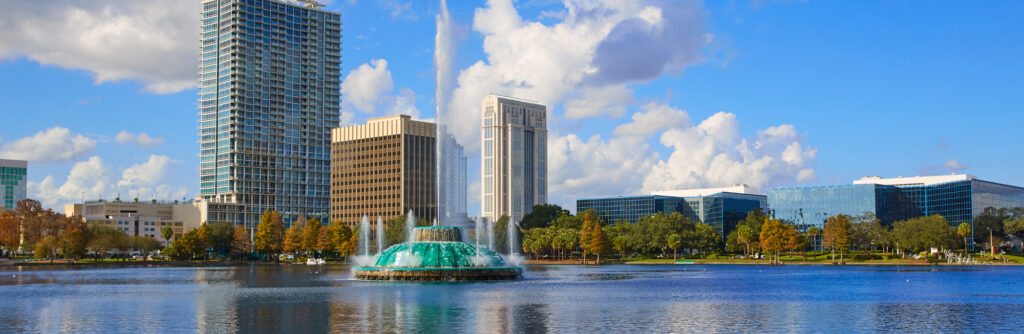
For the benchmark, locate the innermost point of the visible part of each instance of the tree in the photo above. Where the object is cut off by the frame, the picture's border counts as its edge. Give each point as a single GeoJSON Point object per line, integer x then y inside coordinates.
{"type": "Point", "coordinates": [706, 238]}
{"type": "Point", "coordinates": [674, 241]}
{"type": "Point", "coordinates": [323, 242]}
{"type": "Point", "coordinates": [746, 236]}
{"type": "Point", "coordinates": [222, 234]}
{"type": "Point", "coordinates": [146, 245]}
{"type": "Point", "coordinates": [568, 221]}
{"type": "Point", "coordinates": [270, 233]}
{"type": "Point", "coordinates": [29, 213]}
{"type": "Point", "coordinates": [837, 236]}
{"type": "Point", "coordinates": [964, 230]}
{"type": "Point", "coordinates": [167, 232]}
{"type": "Point", "coordinates": [103, 239]}
{"type": "Point", "coordinates": [45, 248]}
{"type": "Point", "coordinates": [921, 233]}
{"type": "Point", "coordinates": [1015, 227]}
{"type": "Point", "coordinates": [586, 233]}
{"type": "Point", "coordinates": [342, 238]}
{"type": "Point", "coordinates": [240, 244]}
{"type": "Point", "coordinates": [75, 241]}
{"type": "Point", "coordinates": [773, 238]}
{"type": "Point", "coordinates": [311, 235]}
{"type": "Point", "coordinates": [863, 230]}
{"type": "Point", "coordinates": [598, 245]}
{"type": "Point", "coordinates": [293, 239]}
{"type": "Point", "coordinates": [542, 215]}
{"type": "Point", "coordinates": [501, 235]}
{"type": "Point", "coordinates": [204, 239]}
{"type": "Point", "coordinates": [394, 229]}
{"type": "Point", "coordinates": [815, 235]}
{"type": "Point", "coordinates": [188, 246]}
{"type": "Point", "coordinates": [10, 232]}
{"type": "Point", "coordinates": [991, 219]}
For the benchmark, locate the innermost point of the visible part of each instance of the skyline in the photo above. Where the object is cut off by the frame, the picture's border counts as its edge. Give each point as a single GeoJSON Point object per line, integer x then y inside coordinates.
{"type": "Point", "coordinates": [752, 72]}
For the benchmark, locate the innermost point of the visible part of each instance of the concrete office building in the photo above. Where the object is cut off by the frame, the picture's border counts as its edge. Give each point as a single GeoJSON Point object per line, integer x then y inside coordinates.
{"type": "Point", "coordinates": [958, 198]}
{"type": "Point", "coordinates": [514, 162]}
{"type": "Point", "coordinates": [269, 93]}
{"type": "Point", "coordinates": [13, 183]}
{"type": "Point", "coordinates": [721, 208]}
{"type": "Point", "coordinates": [385, 168]}
{"type": "Point", "coordinates": [138, 218]}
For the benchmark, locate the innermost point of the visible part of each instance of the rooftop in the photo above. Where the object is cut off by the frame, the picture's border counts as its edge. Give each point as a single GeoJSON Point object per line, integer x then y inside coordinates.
{"type": "Point", "coordinates": [736, 189]}
{"type": "Point", "coordinates": [914, 180]}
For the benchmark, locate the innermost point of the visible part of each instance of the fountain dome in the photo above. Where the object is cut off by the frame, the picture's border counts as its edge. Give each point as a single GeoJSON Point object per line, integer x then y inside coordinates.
{"type": "Point", "coordinates": [438, 253]}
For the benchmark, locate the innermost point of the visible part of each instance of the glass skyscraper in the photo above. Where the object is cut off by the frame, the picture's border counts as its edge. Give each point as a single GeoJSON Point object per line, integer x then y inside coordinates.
{"type": "Point", "coordinates": [270, 91]}
{"type": "Point", "coordinates": [958, 198]}
{"type": "Point", "coordinates": [13, 183]}
{"type": "Point", "coordinates": [720, 210]}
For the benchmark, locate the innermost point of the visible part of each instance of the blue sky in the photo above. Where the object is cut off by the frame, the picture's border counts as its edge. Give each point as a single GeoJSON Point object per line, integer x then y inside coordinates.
{"type": "Point", "coordinates": [642, 96]}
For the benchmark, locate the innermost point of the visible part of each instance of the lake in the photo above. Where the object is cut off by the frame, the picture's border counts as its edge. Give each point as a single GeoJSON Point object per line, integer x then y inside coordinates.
{"type": "Point", "coordinates": [616, 298]}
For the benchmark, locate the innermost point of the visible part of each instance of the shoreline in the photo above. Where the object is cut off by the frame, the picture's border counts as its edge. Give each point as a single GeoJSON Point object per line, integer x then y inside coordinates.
{"type": "Point", "coordinates": [914, 263]}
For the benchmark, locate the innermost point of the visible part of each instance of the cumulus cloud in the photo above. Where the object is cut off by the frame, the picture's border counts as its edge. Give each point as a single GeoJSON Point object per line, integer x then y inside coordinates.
{"type": "Point", "coordinates": [953, 165]}
{"type": "Point", "coordinates": [711, 154]}
{"type": "Point", "coordinates": [51, 145]}
{"type": "Point", "coordinates": [655, 117]}
{"type": "Point", "coordinates": [140, 139]}
{"type": "Point", "coordinates": [93, 178]}
{"type": "Point", "coordinates": [577, 60]}
{"type": "Point", "coordinates": [154, 42]}
{"type": "Point", "coordinates": [369, 89]}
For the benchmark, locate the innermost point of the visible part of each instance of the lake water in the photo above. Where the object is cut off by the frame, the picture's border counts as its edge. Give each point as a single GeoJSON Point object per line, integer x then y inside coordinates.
{"type": "Point", "coordinates": [621, 298]}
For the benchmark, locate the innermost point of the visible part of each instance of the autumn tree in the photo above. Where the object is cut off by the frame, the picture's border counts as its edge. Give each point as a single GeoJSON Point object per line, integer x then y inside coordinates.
{"type": "Point", "coordinates": [341, 239]}
{"type": "Point", "coordinates": [586, 232]}
{"type": "Point", "coordinates": [597, 243]}
{"type": "Point", "coordinates": [204, 239]}
{"type": "Point", "coordinates": [10, 232]}
{"type": "Point", "coordinates": [773, 238]}
{"type": "Point", "coordinates": [311, 235]}
{"type": "Point", "coordinates": [270, 233]}
{"type": "Point", "coordinates": [240, 244]}
{"type": "Point", "coordinates": [293, 239]}
{"type": "Point", "coordinates": [222, 235]}
{"type": "Point", "coordinates": [837, 235]}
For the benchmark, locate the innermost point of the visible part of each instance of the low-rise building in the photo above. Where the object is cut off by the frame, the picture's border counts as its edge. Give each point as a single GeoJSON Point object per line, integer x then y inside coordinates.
{"type": "Point", "coordinates": [721, 208]}
{"type": "Point", "coordinates": [958, 198]}
{"type": "Point", "coordinates": [13, 183]}
{"type": "Point", "coordinates": [140, 218]}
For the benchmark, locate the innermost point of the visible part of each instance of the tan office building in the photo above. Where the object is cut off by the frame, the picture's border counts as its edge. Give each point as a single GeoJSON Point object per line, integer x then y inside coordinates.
{"type": "Point", "coordinates": [385, 168]}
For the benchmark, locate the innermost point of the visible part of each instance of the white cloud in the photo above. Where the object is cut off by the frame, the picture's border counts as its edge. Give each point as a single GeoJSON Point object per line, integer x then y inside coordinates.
{"type": "Point", "coordinates": [87, 179]}
{"type": "Point", "coordinates": [369, 87]}
{"type": "Point", "coordinates": [953, 165]}
{"type": "Point", "coordinates": [53, 144]}
{"type": "Point", "coordinates": [150, 173]}
{"type": "Point", "coordinates": [585, 60]}
{"type": "Point", "coordinates": [140, 139]}
{"type": "Point", "coordinates": [656, 117]}
{"type": "Point", "coordinates": [91, 179]}
{"type": "Point", "coordinates": [714, 154]}
{"type": "Point", "coordinates": [154, 42]}
{"type": "Point", "coordinates": [596, 167]}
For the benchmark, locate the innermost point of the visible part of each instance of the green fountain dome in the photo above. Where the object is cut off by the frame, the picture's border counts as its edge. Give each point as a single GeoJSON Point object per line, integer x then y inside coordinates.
{"type": "Point", "coordinates": [438, 255]}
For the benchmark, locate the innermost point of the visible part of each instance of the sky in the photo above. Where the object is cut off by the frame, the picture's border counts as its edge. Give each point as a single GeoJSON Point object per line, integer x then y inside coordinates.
{"type": "Point", "coordinates": [100, 96]}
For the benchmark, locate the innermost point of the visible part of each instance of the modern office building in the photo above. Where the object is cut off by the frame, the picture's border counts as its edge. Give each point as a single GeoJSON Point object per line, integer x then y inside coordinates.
{"type": "Point", "coordinates": [514, 161]}
{"type": "Point", "coordinates": [138, 218]}
{"type": "Point", "coordinates": [452, 182]}
{"type": "Point", "coordinates": [13, 183]}
{"type": "Point", "coordinates": [269, 93]}
{"type": "Point", "coordinates": [958, 198]}
{"type": "Point", "coordinates": [386, 168]}
{"type": "Point", "coordinates": [721, 208]}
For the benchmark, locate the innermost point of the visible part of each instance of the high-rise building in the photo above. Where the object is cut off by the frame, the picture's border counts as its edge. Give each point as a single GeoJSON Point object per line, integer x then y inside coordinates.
{"type": "Point", "coordinates": [452, 182]}
{"type": "Point", "coordinates": [386, 168]}
{"type": "Point", "coordinates": [514, 168]}
{"type": "Point", "coordinates": [269, 85]}
{"type": "Point", "coordinates": [13, 183]}
{"type": "Point", "coordinates": [722, 208]}
{"type": "Point", "coordinates": [958, 198]}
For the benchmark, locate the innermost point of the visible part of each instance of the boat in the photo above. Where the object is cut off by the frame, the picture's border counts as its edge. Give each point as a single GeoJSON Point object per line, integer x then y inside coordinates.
{"type": "Point", "coordinates": [312, 261]}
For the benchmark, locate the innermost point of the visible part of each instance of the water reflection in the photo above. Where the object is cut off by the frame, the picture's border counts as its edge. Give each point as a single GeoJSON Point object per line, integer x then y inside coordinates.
{"type": "Point", "coordinates": [554, 299]}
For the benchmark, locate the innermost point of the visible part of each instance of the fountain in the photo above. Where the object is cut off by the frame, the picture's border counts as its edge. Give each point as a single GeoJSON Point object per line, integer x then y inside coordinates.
{"type": "Point", "coordinates": [439, 253]}
{"type": "Point", "coordinates": [410, 224]}
{"type": "Point", "coordinates": [380, 234]}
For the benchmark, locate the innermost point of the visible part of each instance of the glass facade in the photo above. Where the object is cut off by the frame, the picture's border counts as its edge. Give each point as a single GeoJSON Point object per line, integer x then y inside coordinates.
{"type": "Point", "coordinates": [269, 93]}
{"type": "Point", "coordinates": [722, 210]}
{"type": "Point", "coordinates": [13, 183]}
{"type": "Point", "coordinates": [957, 201]}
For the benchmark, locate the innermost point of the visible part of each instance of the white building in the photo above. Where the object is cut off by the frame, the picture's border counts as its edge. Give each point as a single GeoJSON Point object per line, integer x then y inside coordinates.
{"type": "Point", "coordinates": [514, 160]}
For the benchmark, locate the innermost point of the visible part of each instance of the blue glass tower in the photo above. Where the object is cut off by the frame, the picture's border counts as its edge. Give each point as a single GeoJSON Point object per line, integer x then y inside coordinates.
{"type": "Point", "coordinates": [13, 183]}
{"type": "Point", "coordinates": [720, 210]}
{"type": "Point", "coordinates": [270, 91]}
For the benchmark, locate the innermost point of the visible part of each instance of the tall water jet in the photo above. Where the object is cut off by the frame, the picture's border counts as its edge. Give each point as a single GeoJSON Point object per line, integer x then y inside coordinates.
{"type": "Point", "coordinates": [364, 236]}
{"type": "Point", "coordinates": [380, 235]}
{"type": "Point", "coordinates": [478, 230]}
{"type": "Point", "coordinates": [435, 222]}
{"type": "Point", "coordinates": [513, 232]}
{"type": "Point", "coordinates": [410, 224]}
{"type": "Point", "coordinates": [490, 234]}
